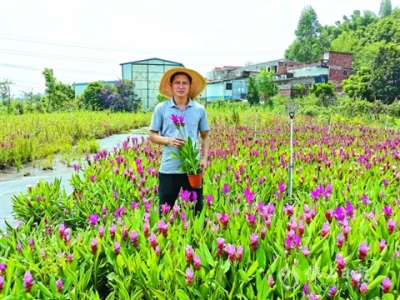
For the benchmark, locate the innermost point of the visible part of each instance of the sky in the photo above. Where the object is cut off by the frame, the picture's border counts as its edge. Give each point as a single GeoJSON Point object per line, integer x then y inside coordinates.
{"type": "Point", "coordinates": [84, 41]}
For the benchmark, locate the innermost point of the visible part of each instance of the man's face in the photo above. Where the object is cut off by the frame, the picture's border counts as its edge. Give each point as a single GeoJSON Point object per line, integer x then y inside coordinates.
{"type": "Point", "coordinates": [180, 85]}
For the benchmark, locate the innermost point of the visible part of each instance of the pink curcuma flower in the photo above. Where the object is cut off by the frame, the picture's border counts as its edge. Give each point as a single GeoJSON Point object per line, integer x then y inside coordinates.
{"type": "Point", "coordinates": [340, 240]}
{"type": "Point", "coordinates": [391, 225]}
{"type": "Point", "coordinates": [314, 296]}
{"type": "Point", "coordinates": [339, 213]}
{"type": "Point", "coordinates": [239, 253]}
{"type": "Point", "coordinates": [209, 200]}
{"type": "Point", "coordinates": [254, 241]}
{"type": "Point", "coordinates": [134, 238]}
{"type": "Point", "coordinates": [101, 231]}
{"type": "Point", "coordinates": [223, 218]}
{"type": "Point", "coordinates": [386, 284]}
{"type": "Point", "coordinates": [1, 283]}
{"type": "Point", "coordinates": [189, 253]}
{"type": "Point", "coordinates": [340, 264]}
{"type": "Point", "coordinates": [363, 251]}
{"type": "Point", "coordinates": [387, 211]}
{"type": "Point", "coordinates": [363, 288]}
{"type": "Point", "coordinates": [112, 230]}
{"type": "Point", "coordinates": [325, 229]}
{"type": "Point", "coordinates": [197, 262]}
{"type": "Point", "coordinates": [59, 285]}
{"type": "Point", "coordinates": [162, 228]}
{"type": "Point", "coordinates": [28, 281]}
{"type": "Point", "coordinates": [189, 276]}
{"type": "Point", "coordinates": [288, 210]}
{"type": "Point", "coordinates": [93, 219]}
{"type": "Point", "coordinates": [305, 250]}
{"type": "Point", "coordinates": [271, 281]}
{"type": "Point", "coordinates": [355, 279]}
{"type": "Point", "coordinates": [332, 292]}
{"type": "Point", "coordinates": [225, 189]}
{"type": "Point", "coordinates": [153, 240]}
{"type": "Point", "coordinates": [251, 220]}
{"type": "Point", "coordinates": [249, 196]}
{"type": "Point", "coordinates": [3, 269]}
{"type": "Point", "coordinates": [231, 251]}
{"type": "Point", "coordinates": [157, 251]}
{"type": "Point", "coordinates": [382, 244]}
{"type": "Point", "coordinates": [93, 245]}
{"type": "Point", "coordinates": [117, 248]}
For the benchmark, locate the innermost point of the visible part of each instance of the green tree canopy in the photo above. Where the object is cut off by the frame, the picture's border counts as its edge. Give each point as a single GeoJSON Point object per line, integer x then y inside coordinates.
{"type": "Point", "coordinates": [385, 8]}
{"type": "Point", "coordinates": [307, 45]}
{"type": "Point", "coordinates": [252, 92]}
{"type": "Point", "coordinates": [385, 76]}
{"type": "Point", "coordinates": [359, 85]}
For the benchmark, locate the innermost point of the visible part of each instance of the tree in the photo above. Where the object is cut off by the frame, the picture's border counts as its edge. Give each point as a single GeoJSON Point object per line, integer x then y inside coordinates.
{"type": "Point", "coordinates": [266, 86]}
{"type": "Point", "coordinates": [325, 92]}
{"type": "Point", "coordinates": [252, 92]}
{"type": "Point", "coordinates": [5, 91]}
{"type": "Point", "coordinates": [307, 46]}
{"type": "Point", "coordinates": [59, 94]}
{"type": "Point", "coordinates": [92, 96]}
{"type": "Point", "coordinates": [385, 8]}
{"type": "Point", "coordinates": [121, 96]}
{"type": "Point", "coordinates": [359, 85]}
{"type": "Point", "coordinates": [385, 75]}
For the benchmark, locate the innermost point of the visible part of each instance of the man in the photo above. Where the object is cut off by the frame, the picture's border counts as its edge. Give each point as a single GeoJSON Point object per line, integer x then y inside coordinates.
{"type": "Point", "coordinates": [181, 86]}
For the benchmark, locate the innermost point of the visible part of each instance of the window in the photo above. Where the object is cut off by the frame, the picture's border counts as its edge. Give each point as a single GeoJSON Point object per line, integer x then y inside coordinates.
{"type": "Point", "coordinates": [345, 72]}
{"type": "Point", "coordinates": [228, 86]}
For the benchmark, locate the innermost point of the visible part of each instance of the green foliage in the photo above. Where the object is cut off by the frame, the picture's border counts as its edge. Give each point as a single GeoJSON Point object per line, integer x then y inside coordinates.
{"type": "Point", "coordinates": [5, 91]}
{"type": "Point", "coordinates": [266, 86]}
{"type": "Point", "coordinates": [253, 95]}
{"type": "Point", "coordinates": [359, 85]}
{"type": "Point", "coordinates": [59, 95]}
{"type": "Point", "coordinates": [161, 98]}
{"type": "Point", "coordinates": [385, 8]}
{"type": "Point", "coordinates": [326, 89]}
{"type": "Point", "coordinates": [91, 96]}
{"type": "Point", "coordinates": [385, 77]}
{"type": "Point", "coordinates": [307, 46]}
{"type": "Point", "coordinates": [299, 90]}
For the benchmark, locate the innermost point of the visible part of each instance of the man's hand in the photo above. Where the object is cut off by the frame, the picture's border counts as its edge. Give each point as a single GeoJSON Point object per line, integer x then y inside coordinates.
{"type": "Point", "coordinates": [203, 164]}
{"type": "Point", "coordinates": [176, 142]}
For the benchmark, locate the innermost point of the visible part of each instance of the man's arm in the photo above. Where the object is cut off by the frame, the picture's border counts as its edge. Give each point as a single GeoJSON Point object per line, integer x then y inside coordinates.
{"type": "Point", "coordinates": [156, 138]}
{"type": "Point", "coordinates": [205, 147]}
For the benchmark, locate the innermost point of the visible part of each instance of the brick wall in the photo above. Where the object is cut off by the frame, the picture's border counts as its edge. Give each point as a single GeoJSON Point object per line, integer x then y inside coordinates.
{"type": "Point", "coordinates": [339, 68]}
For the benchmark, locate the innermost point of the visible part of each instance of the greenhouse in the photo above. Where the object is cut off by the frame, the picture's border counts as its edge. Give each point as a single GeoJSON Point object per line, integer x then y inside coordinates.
{"type": "Point", "coordinates": [147, 75]}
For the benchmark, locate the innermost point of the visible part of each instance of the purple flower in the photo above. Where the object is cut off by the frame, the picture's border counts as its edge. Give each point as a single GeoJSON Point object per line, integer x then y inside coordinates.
{"type": "Point", "coordinates": [254, 241]}
{"type": "Point", "coordinates": [1, 283]}
{"type": "Point", "coordinates": [239, 253]}
{"type": "Point", "coordinates": [363, 251]}
{"type": "Point", "coordinates": [325, 229]}
{"type": "Point", "coordinates": [355, 279]}
{"type": "Point", "coordinates": [112, 230]}
{"type": "Point", "coordinates": [391, 225]}
{"type": "Point", "coordinates": [365, 200]}
{"type": "Point", "coordinates": [101, 231]}
{"type": "Point", "coordinates": [305, 289]}
{"type": "Point", "coordinates": [231, 251]}
{"type": "Point", "coordinates": [189, 276]}
{"type": "Point", "coordinates": [3, 269]}
{"type": "Point", "coordinates": [225, 189]}
{"type": "Point", "coordinates": [93, 245]}
{"type": "Point", "coordinates": [332, 292]}
{"type": "Point", "coordinates": [93, 219]}
{"type": "Point", "coordinates": [387, 211]}
{"type": "Point", "coordinates": [189, 253]}
{"type": "Point", "coordinates": [223, 218]}
{"type": "Point", "coordinates": [349, 209]}
{"type": "Point", "coordinates": [363, 288]}
{"type": "Point", "coordinates": [59, 285]}
{"type": "Point", "coordinates": [209, 199]}
{"type": "Point", "coordinates": [386, 284]}
{"type": "Point", "coordinates": [271, 281]}
{"type": "Point", "coordinates": [197, 262]}
{"type": "Point", "coordinates": [382, 244]}
{"type": "Point", "coordinates": [153, 240]}
{"type": "Point", "coordinates": [117, 248]}
{"type": "Point", "coordinates": [28, 281]}
{"type": "Point", "coordinates": [92, 178]}
{"type": "Point", "coordinates": [339, 213]}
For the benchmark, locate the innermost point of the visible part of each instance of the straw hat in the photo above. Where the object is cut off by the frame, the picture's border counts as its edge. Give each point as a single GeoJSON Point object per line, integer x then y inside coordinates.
{"type": "Point", "coordinates": [198, 82]}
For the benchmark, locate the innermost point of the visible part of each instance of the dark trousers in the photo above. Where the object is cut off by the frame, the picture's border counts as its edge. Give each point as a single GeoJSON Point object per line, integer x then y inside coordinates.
{"type": "Point", "coordinates": [169, 186]}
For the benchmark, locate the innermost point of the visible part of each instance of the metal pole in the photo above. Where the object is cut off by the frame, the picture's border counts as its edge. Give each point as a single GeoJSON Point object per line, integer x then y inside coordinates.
{"type": "Point", "coordinates": [291, 115]}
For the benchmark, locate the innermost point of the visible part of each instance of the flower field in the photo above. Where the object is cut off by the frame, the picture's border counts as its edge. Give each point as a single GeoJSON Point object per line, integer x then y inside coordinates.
{"type": "Point", "coordinates": [337, 238]}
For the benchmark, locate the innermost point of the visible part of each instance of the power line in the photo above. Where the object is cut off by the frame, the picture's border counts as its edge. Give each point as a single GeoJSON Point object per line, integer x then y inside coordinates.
{"type": "Point", "coordinates": [55, 69]}
{"type": "Point", "coordinates": [65, 57]}
{"type": "Point", "coordinates": [131, 50]}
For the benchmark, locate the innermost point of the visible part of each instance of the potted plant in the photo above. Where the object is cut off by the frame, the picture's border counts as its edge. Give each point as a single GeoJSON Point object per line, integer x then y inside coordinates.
{"type": "Point", "coordinates": [188, 154]}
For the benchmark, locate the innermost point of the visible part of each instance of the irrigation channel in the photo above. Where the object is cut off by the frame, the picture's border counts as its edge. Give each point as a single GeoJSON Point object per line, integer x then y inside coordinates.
{"type": "Point", "coordinates": [13, 182]}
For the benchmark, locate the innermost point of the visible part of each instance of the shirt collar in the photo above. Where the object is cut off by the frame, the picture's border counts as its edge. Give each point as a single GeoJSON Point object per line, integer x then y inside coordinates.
{"type": "Point", "coordinates": [172, 103]}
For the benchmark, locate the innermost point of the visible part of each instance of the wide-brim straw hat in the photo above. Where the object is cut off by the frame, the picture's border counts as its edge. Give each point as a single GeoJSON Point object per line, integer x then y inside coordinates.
{"type": "Point", "coordinates": [197, 86]}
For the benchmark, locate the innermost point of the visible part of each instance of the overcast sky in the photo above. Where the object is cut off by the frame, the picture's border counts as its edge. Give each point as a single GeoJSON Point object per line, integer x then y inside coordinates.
{"type": "Point", "coordinates": [85, 41]}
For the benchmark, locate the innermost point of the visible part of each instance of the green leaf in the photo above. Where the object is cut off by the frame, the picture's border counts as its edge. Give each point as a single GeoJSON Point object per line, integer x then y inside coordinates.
{"type": "Point", "coordinates": [260, 253]}
{"type": "Point", "coordinates": [252, 269]}
{"type": "Point", "coordinates": [376, 282]}
{"type": "Point", "coordinates": [207, 254]}
{"type": "Point", "coordinates": [181, 295]}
